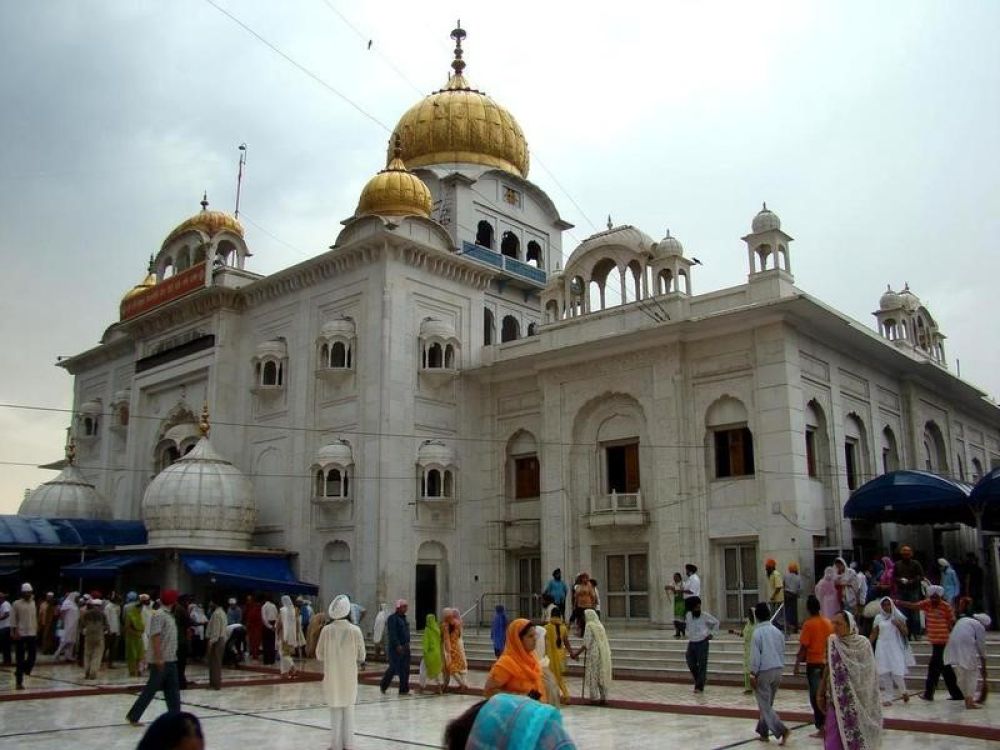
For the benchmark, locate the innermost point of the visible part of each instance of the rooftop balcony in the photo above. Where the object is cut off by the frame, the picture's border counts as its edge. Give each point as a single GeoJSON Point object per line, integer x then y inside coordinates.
{"type": "Point", "coordinates": [515, 271]}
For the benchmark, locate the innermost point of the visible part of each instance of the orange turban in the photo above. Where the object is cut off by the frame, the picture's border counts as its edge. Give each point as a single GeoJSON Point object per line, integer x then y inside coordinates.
{"type": "Point", "coordinates": [793, 567]}
{"type": "Point", "coordinates": [770, 563]}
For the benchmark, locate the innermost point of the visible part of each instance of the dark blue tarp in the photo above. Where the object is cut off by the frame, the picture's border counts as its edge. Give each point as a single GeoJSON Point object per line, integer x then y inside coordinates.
{"type": "Point", "coordinates": [911, 497]}
{"type": "Point", "coordinates": [986, 496]}
{"type": "Point", "coordinates": [248, 572]}
{"type": "Point", "coordinates": [106, 566]}
{"type": "Point", "coordinates": [69, 532]}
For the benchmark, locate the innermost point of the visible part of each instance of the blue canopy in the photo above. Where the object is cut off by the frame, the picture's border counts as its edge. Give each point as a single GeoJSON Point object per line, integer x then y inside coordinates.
{"type": "Point", "coordinates": [17, 531]}
{"type": "Point", "coordinates": [248, 572]}
{"type": "Point", "coordinates": [911, 497]}
{"type": "Point", "coordinates": [986, 497]}
{"type": "Point", "coordinates": [106, 566]}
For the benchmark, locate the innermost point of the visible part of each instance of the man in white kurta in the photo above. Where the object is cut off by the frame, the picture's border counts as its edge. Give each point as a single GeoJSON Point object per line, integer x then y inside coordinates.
{"type": "Point", "coordinates": [966, 653]}
{"type": "Point", "coordinates": [341, 648]}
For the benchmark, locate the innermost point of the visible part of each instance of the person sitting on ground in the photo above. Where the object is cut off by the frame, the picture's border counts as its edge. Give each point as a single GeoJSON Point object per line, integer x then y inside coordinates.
{"type": "Point", "coordinates": [509, 721]}
{"type": "Point", "coordinates": [517, 670]}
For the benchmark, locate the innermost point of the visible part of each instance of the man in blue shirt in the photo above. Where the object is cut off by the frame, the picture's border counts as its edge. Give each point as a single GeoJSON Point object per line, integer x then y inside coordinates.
{"type": "Point", "coordinates": [767, 659]}
{"type": "Point", "coordinates": [397, 631]}
{"type": "Point", "coordinates": [556, 589]}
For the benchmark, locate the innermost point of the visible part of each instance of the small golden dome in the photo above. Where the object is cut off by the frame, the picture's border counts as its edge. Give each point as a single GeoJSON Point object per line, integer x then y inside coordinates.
{"type": "Point", "coordinates": [395, 191]}
{"type": "Point", "coordinates": [143, 286]}
{"type": "Point", "coordinates": [209, 222]}
{"type": "Point", "coordinates": [463, 125]}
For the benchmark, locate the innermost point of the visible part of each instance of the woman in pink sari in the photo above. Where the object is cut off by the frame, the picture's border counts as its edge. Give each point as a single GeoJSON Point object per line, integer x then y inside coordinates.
{"type": "Point", "coordinates": [848, 692]}
{"type": "Point", "coordinates": [826, 592]}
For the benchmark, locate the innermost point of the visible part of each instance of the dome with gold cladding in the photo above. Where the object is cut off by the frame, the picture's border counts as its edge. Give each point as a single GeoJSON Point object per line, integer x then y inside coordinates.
{"type": "Point", "coordinates": [209, 222]}
{"type": "Point", "coordinates": [459, 124]}
{"type": "Point", "coordinates": [395, 191]}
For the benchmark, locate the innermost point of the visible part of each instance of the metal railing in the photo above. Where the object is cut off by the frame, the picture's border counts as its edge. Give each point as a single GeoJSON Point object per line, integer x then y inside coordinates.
{"type": "Point", "coordinates": [615, 502]}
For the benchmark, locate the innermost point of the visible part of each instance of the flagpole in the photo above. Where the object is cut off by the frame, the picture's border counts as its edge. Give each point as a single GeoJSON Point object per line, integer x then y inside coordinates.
{"type": "Point", "coordinates": [239, 177]}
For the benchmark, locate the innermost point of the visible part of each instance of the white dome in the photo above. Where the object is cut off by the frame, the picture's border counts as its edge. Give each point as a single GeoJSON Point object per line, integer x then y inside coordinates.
{"type": "Point", "coordinates": [669, 246]}
{"type": "Point", "coordinates": [437, 328]}
{"type": "Point", "coordinates": [337, 452]}
{"type": "Point", "coordinates": [890, 300]}
{"type": "Point", "coordinates": [92, 407]}
{"type": "Point", "coordinates": [200, 500]}
{"type": "Point", "coordinates": [434, 452]}
{"type": "Point", "coordinates": [625, 236]}
{"type": "Point", "coordinates": [909, 300]}
{"type": "Point", "coordinates": [69, 495]}
{"type": "Point", "coordinates": [765, 221]}
{"type": "Point", "coordinates": [339, 327]}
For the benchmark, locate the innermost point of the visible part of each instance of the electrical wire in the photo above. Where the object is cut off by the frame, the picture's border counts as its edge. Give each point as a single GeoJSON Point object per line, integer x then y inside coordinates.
{"type": "Point", "coordinates": [291, 61]}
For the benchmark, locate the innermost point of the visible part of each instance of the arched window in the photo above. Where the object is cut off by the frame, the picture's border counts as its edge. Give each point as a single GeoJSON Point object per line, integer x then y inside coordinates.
{"type": "Point", "coordinates": [168, 456]}
{"type": "Point", "coordinates": [123, 415]}
{"type": "Point", "coordinates": [339, 355]}
{"type": "Point", "coordinates": [534, 254]}
{"type": "Point", "coordinates": [961, 467]}
{"type": "Point", "coordinates": [935, 457]}
{"type": "Point", "coordinates": [432, 483]}
{"type": "Point", "coordinates": [731, 438]}
{"type": "Point", "coordinates": [890, 451]}
{"type": "Point", "coordinates": [510, 245]}
{"type": "Point", "coordinates": [449, 356]}
{"type": "Point", "coordinates": [665, 281]}
{"type": "Point", "coordinates": [333, 483]}
{"type": "Point", "coordinates": [510, 330]}
{"type": "Point", "coordinates": [484, 234]}
{"type": "Point", "coordinates": [489, 325]}
{"type": "Point", "coordinates": [532, 329]}
{"type": "Point", "coordinates": [324, 355]}
{"type": "Point", "coordinates": [855, 451]}
{"type": "Point", "coordinates": [449, 484]}
{"type": "Point", "coordinates": [270, 375]}
{"type": "Point", "coordinates": [816, 440]}
{"type": "Point", "coordinates": [89, 428]}
{"type": "Point", "coordinates": [434, 356]}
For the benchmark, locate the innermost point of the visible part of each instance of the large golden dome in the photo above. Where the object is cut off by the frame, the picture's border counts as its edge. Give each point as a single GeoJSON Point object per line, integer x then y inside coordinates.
{"type": "Point", "coordinates": [463, 125]}
{"type": "Point", "coordinates": [209, 222]}
{"type": "Point", "coordinates": [395, 191]}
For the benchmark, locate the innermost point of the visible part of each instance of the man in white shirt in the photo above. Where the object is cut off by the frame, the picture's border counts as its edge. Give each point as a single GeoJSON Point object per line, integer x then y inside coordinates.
{"type": "Point", "coordinates": [767, 659]}
{"type": "Point", "coordinates": [692, 584]}
{"type": "Point", "coordinates": [113, 614]}
{"type": "Point", "coordinates": [269, 614]}
{"type": "Point", "coordinates": [966, 652]}
{"type": "Point", "coordinates": [701, 627]}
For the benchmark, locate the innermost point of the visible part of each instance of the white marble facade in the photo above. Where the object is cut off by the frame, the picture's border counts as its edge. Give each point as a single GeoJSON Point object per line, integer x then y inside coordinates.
{"type": "Point", "coordinates": [383, 396]}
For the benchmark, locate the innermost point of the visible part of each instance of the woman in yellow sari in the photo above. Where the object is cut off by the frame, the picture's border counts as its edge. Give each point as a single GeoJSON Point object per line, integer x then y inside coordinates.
{"type": "Point", "coordinates": [455, 663]}
{"type": "Point", "coordinates": [557, 648]}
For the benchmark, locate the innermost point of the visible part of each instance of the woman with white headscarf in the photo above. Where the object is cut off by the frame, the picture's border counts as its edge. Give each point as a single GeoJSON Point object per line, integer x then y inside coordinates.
{"type": "Point", "coordinates": [892, 650]}
{"type": "Point", "coordinates": [341, 648]}
{"type": "Point", "coordinates": [288, 635]}
{"type": "Point", "coordinates": [597, 666]}
{"type": "Point", "coordinates": [848, 692]}
{"type": "Point", "coordinates": [69, 613]}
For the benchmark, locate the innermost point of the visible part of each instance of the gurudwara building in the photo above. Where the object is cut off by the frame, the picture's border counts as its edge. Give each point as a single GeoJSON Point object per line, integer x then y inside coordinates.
{"type": "Point", "coordinates": [438, 407]}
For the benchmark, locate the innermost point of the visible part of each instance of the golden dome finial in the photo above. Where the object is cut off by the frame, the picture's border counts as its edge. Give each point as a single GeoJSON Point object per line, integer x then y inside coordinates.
{"type": "Point", "coordinates": [458, 34]}
{"type": "Point", "coordinates": [204, 201]}
{"type": "Point", "coordinates": [70, 451]}
{"type": "Point", "coordinates": [203, 424]}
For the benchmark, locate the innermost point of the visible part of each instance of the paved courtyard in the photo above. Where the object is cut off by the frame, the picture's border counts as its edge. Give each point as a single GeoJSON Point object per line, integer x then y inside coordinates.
{"type": "Point", "coordinates": [59, 709]}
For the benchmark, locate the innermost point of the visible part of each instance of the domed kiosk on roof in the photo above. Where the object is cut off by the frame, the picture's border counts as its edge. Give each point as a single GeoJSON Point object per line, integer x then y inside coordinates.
{"type": "Point", "coordinates": [765, 221]}
{"type": "Point", "coordinates": [459, 124]}
{"type": "Point", "coordinates": [200, 500]}
{"type": "Point", "coordinates": [69, 495]}
{"type": "Point", "coordinates": [395, 191]}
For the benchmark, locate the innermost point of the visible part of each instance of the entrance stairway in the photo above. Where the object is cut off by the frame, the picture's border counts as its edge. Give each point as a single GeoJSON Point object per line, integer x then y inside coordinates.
{"type": "Point", "coordinates": [652, 654]}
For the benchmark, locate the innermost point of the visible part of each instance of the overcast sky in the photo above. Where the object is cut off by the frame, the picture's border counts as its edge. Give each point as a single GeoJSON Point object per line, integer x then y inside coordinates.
{"type": "Point", "coordinates": [872, 129]}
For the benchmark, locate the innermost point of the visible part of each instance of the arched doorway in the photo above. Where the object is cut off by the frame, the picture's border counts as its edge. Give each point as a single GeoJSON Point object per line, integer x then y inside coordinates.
{"type": "Point", "coordinates": [431, 580]}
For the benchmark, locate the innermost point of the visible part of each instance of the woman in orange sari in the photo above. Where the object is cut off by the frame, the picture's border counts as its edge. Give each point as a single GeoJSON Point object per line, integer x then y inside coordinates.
{"type": "Point", "coordinates": [517, 670]}
{"type": "Point", "coordinates": [455, 663]}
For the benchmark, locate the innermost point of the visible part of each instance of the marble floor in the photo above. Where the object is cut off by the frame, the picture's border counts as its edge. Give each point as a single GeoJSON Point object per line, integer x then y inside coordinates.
{"type": "Point", "coordinates": [59, 708]}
